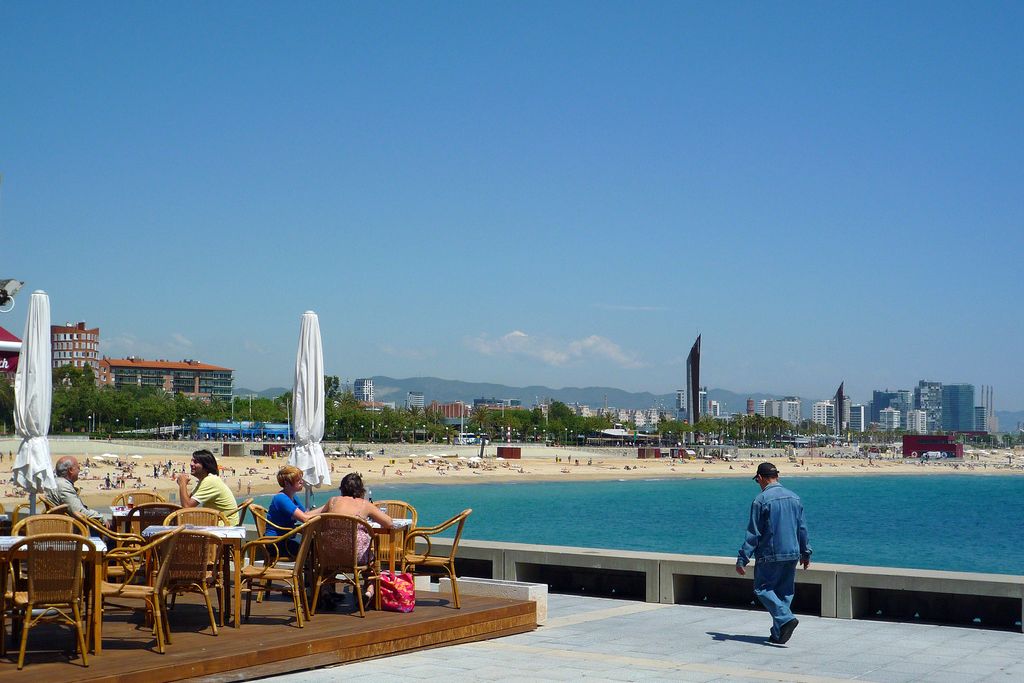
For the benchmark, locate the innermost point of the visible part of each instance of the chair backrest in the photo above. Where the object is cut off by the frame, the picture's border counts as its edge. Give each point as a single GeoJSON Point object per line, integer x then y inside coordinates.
{"type": "Point", "coordinates": [398, 509]}
{"type": "Point", "coordinates": [335, 540]}
{"type": "Point", "coordinates": [53, 567]}
{"type": "Point", "coordinates": [197, 516]}
{"type": "Point", "coordinates": [49, 524]}
{"type": "Point", "coordinates": [18, 512]}
{"type": "Point", "coordinates": [461, 520]}
{"type": "Point", "coordinates": [59, 510]}
{"type": "Point", "coordinates": [241, 510]}
{"type": "Point", "coordinates": [184, 560]}
{"type": "Point", "coordinates": [259, 518]}
{"type": "Point", "coordinates": [143, 516]}
{"type": "Point", "coordinates": [138, 497]}
{"type": "Point", "coordinates": [47, 503]}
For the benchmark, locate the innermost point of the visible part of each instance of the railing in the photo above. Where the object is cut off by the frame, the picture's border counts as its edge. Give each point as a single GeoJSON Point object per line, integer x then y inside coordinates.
{"type": "Point", "coordinates": [993, 601]}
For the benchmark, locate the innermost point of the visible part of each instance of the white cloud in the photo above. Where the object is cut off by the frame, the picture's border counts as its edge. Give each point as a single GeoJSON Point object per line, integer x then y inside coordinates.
{"type": "Point", "coordinates": [554, 352]}
{"type": "Point", "coordinates": [181, 340]}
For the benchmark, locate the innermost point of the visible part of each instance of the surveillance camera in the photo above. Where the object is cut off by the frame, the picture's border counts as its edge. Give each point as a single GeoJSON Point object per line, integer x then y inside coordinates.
{"type": "Point", "coordinates": [8, 288]}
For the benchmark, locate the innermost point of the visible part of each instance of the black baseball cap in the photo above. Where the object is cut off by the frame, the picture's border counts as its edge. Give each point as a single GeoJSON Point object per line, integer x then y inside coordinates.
{"type": "Point", "coordinates": [767, 470]}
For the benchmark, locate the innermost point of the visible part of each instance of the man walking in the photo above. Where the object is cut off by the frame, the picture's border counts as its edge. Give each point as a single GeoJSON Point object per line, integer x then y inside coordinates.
{"type": "Point", "coordinates": [777, 539]}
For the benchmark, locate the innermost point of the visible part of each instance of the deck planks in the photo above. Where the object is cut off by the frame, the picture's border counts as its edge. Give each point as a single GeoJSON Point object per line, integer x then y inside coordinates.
{"type": "Point", "coordinates": [268, 644]}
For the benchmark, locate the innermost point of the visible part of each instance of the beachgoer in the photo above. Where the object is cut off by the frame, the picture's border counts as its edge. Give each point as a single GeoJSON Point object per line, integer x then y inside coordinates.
{"type": "Point", "coordinates": [211, 492]}
{"type": "Point", "coordinates": [285, 510]}
{"type": "Point", "coordinates": [67, 471]}
{"type": "Point", "coordinates": [777, 539]}
{"type": "Point", "coordinates": [352, 502]}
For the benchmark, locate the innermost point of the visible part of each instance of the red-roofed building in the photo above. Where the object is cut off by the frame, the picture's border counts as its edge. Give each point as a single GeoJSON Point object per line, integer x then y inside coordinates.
{"type": "Point", "coordinates": [75, 345]}
{"type": "Point", "coordinates": [188, 377]}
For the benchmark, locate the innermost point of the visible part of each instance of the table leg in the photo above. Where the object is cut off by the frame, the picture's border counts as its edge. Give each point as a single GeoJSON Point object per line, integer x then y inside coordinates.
{"type": "Point", "coordinates": [236, 552]}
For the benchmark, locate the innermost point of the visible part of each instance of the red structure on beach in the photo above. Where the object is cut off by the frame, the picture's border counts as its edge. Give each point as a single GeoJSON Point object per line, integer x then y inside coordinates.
{"type": "Point", "coordinates": [916, 445]}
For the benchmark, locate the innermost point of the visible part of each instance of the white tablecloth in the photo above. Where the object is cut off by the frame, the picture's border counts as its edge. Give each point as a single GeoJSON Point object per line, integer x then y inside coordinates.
{"type": "Point", "coordinates": [219, 531]}
{"type": "Point", "coordinates": [7, 541]}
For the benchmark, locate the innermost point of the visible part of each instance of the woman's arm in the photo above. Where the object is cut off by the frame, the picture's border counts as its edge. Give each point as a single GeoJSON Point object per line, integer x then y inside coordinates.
{"type": "Point", "coordinates": [376, 515]}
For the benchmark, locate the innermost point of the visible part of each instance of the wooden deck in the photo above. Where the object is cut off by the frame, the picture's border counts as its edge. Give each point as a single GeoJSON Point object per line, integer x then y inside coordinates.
{"type": "Point", "coordinates": [268, 644]}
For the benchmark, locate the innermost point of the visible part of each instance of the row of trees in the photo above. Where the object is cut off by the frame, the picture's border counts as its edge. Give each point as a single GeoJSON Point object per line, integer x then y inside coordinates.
{"type": "Point", "coordinates": [79, 406]}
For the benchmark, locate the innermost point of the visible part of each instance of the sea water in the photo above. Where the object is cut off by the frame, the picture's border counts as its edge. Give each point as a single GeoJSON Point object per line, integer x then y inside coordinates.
{"type": "Point", "coordinates": [958, 523]}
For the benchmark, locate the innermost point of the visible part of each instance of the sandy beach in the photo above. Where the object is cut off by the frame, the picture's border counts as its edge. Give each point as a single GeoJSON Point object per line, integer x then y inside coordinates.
{"type": "Point", "coordinates": [136, 462]}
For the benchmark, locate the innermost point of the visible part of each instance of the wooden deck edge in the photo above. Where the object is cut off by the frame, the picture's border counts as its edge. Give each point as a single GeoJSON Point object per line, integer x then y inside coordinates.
{"type": "Point", "coordinates": [330, 650]}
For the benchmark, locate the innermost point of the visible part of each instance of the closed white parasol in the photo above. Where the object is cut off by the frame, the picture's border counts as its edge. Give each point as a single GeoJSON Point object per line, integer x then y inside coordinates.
{"type": "Point", "coordinates": [33, 396]}
{"type": "Point", "coordinates": [308, 406]}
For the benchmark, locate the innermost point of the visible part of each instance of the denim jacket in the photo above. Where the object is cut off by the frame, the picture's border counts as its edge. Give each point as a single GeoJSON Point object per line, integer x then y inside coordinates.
{"type": "Point", "coordinates": [776, 531]}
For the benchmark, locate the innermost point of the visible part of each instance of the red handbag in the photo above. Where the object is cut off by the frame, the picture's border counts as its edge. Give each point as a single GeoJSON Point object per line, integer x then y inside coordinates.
{"type": "Point", "coordinates": [397, 592]}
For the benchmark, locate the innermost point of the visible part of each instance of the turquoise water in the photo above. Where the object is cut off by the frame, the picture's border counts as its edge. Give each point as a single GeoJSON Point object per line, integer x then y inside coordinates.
{"type": "Point", "coordinates": [960, 523]}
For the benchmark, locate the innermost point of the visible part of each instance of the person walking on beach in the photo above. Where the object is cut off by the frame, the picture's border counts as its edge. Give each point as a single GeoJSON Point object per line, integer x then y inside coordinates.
{"type": "Point", "coordinates": [777, 539]}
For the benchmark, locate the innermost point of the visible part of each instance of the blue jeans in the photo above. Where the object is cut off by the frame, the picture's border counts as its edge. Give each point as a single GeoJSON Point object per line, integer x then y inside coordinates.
{"type": "Point", "coordinates": [774, 585]}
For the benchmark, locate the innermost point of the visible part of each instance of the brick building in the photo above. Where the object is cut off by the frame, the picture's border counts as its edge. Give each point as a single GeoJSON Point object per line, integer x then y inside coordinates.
{"type": "Point", "coordinates": [75, 345]}
{"type": "Point", "coordinates": [188, 377]}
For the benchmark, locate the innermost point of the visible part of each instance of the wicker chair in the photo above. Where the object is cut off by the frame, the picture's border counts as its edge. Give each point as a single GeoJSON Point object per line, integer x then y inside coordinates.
{"type": "Point", "coordinates": [114, 540]}
{"type": "Point", "coordinates": [335, 542]}
{"type": "Point", "coordinates": [19, 511]}
{"type": "Point", "coordinates": [396, 509]}
{"type": "Point", "coordinates": [196, 516]}
{"type": "Point", "coordinates": [146, 515]}
{"type": "Point", "coordinates": [132, 562]}
{"type": "Point", "coordinates": [240, 511]}
{"type": "Point", "coordinates": [49, 524]}
{"type": "Point", "coordinates": [138, 498]}
{"type": "Point", "coordinates": [262, 521]}
{"type": "Point", "coordinates": [53, 586]}
{"type": "Point", "coordinates": [263, 568]}
{"type": "Point", "coordinates": [435, 564]}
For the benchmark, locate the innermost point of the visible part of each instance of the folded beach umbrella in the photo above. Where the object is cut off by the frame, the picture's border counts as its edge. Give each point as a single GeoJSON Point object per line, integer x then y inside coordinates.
{"type": "Point", "coordinates": [33, 396]}
{"type": "Point", "coordinates": [308, 406]}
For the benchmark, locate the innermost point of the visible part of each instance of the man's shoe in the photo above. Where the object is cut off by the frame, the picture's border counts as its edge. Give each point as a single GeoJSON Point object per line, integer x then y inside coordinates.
{"type": "Point", "coordinates": [786, 630]}
{"type": "Point", "coordinates": [773, 639]}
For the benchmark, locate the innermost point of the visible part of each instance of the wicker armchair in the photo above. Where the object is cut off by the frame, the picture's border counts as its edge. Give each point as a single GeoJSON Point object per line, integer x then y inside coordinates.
{"type": "Point", "coordinates": [396, 509]}
{"type": "Point", "coordinates": [263, 568]}
{"type": "Point", "coordinates": [19, 511]}
{"type": "Point", "coordinates": [54, 590]}
{"type": "Point", "coordinates": [335, 541]}
{"type": "Point", "coordinates": [240, 511]}
{"type": "Point", "coordinates": [435, 564]}
{"type": "Point", "coordinates": [146, 515]}
{"type": "Point", "coordinates": [186, 570]}
{"type": "Point", "coordinates": [262, 521]}
{"type": "Point", "coordinates": [49, 524]}
{"type": "Point", "coordinates": [138, 498]}
{"type": "Point", "coordinates": [196, 516]}
{"type": "Point", "coordinates": [114, 540]}
{"type": "Point", "coordinates": [132, 561]}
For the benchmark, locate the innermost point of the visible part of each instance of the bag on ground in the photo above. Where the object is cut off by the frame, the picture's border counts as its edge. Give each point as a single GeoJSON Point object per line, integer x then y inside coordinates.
{"type": "Point", "coordinates": [397, 592]}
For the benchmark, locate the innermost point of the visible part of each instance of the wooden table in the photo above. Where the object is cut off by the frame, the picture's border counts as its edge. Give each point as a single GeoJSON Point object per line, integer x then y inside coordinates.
{"type": "Point", "coordinates": [95, 549]}
{"type": "Point", "coordinates": [231, 538]}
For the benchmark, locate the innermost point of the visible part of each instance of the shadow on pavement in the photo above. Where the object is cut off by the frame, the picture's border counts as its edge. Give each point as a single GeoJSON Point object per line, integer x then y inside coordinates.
{"type": "Point", "coordinates": [757, 640]}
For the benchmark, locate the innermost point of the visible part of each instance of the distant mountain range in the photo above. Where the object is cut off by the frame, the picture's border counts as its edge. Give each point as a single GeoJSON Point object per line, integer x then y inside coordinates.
{"type": "Point", "coordinates": [390, 389]}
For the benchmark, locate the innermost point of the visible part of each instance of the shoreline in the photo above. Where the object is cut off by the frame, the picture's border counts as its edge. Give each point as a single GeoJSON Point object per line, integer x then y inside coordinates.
{"type": "Point", "coordinates": [250, 475]}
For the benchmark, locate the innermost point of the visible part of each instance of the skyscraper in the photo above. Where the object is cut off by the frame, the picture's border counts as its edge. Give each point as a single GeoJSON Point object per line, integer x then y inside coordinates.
{"type": "Point", "coordinates": [958, 407]}
{"type": "Point", "coordinates": [693, 404]}
{"type": "Point", "coordinates": [928, 397]}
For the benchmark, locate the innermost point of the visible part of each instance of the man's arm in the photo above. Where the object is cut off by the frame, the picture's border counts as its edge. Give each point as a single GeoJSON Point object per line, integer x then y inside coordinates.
{"type": "Point", "coordinates": [801, 537]}
{"type": "Point", "coordinates": [187, 501]}
{"type": "Point", "coordinates": [66, 495]}
{"type": "Point", "coordinates": [750, 542]}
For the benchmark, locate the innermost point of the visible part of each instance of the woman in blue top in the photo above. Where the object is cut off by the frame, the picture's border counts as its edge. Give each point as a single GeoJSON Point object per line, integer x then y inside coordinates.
{"type": "Point", "coordinates": [285, 510]}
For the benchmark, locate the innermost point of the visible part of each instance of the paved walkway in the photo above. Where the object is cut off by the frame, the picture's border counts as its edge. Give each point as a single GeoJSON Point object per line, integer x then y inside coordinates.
{"type": "Point", "coordinates": [615, 640]}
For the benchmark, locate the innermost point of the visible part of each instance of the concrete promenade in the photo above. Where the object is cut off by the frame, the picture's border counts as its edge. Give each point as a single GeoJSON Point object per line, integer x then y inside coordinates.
{"type": "Point", "coordinates": [614, 640]}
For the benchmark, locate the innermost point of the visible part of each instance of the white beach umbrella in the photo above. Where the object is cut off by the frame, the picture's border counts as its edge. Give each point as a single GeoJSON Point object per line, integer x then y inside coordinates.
{"type": "Point", "coordinates": [308, 406]}
{"type": "Point", "coordinates": [33, 396]}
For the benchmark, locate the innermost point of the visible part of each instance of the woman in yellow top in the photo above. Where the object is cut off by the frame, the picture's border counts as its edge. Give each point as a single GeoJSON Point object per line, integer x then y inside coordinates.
{"type": "Point", "coordinates": [211, 492]}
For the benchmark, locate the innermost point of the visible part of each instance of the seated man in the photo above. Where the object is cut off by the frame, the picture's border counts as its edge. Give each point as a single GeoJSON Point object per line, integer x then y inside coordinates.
{"type": "Point", "coordinates": [211, 492]}
{"type": "Point", "coordinates": [67, 471]}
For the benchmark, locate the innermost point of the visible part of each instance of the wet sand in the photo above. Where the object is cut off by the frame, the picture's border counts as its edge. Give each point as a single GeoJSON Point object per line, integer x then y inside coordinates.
{"type": "Point", "coordinates": [408, 463]}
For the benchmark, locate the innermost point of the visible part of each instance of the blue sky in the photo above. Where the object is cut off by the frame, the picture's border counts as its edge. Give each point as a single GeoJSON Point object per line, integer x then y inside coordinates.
{"type": "Point", "coordinates": [551, 193]}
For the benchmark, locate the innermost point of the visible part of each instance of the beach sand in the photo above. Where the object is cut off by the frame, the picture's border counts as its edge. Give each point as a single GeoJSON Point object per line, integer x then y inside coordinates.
{"type": "Point", "coordinates": [407, 463]}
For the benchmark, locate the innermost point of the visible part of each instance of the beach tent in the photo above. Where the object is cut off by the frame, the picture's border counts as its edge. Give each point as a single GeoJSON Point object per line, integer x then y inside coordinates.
{"type": "Point", "coordinates": [33, 397]}
{"type": "Point", "coordinates": [308, 406]}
